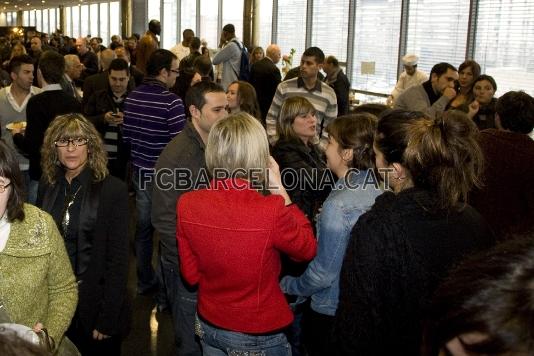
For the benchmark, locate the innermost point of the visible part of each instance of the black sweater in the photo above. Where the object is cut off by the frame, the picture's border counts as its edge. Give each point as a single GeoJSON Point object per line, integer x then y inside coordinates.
{"type": "Point", "coordinates": [398, 253]}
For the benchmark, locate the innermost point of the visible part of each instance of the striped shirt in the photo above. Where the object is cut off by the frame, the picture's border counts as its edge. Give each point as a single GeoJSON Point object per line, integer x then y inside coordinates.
{"type": "Point", "coordinates": [152, 117]}
{"type": "Point", "coordinates": [322, 97]}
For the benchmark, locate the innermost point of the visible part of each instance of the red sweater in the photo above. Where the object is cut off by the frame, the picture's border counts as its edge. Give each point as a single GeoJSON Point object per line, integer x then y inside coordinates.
{"type": "Point", "coordinates": [229, 243]}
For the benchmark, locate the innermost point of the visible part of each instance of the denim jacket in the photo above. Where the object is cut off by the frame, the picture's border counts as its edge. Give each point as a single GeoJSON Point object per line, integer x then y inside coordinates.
{"type": "Point", "coordinates": [340, 212]}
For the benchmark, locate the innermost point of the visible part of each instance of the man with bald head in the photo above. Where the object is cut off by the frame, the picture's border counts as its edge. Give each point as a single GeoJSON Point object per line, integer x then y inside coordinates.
{"type": "Point", "coordinates": [265, 77]}
{"type": "Point", "coordinates": [88, 58]}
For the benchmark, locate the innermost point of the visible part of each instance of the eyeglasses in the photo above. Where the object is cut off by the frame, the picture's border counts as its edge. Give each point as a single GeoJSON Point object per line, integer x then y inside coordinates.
{"type": "Point", "coordinates": [4, 186]}
{"type": "Point", "coordinates": [77, 141]}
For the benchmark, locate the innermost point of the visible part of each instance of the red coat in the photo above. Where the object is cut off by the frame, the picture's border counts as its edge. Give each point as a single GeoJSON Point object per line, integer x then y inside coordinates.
{"type": "Point", "coordinates": [229, 243]}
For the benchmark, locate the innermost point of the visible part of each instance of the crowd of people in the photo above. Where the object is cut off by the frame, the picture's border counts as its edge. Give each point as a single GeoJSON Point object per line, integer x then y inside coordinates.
{"type": "Point", "coordinates": [288, 223]}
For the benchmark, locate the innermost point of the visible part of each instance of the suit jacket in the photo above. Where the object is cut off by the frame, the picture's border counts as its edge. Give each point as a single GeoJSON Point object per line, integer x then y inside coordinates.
{"type": "Point", "coordinates": [41, 110]}
{"type": "Point", "coordinates": [68, 89]}
{"type": "Point", "coordinates": [102, 271]}
{"type": "Point", "coordinates": [99, 81]}
{"type": "Point", "coordinates": [265, 77]}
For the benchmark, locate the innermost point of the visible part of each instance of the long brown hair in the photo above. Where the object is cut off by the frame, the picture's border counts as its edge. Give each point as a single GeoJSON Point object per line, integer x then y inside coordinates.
{"type": "Point", "coordinates": [442, 155]}
{"type": "Point", "coordinates": [9, 168]}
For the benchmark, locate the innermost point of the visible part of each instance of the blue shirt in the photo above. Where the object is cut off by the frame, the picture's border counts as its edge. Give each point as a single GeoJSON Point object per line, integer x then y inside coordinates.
{"type": "Point", "coordinates": [350, 199]}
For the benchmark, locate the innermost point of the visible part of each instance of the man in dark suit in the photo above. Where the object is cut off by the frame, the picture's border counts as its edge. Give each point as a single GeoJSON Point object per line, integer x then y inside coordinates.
{"type": "Point", "coordinates": [40, 111]}
{"type": "Point", "coordinates": [265, 77]}
{"type": "Point", "coordinates": [87, 57]}
{"type": "Point", "coordinates": [338, 81]}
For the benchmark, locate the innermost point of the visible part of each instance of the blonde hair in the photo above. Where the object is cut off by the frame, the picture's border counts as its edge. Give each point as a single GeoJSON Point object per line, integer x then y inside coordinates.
{"type": "Point", "coordinates": [69, 126]}
{"type": "Point", "coordinates": [238, 144]}
{"type": "Point", "coordinates": [291, 108]}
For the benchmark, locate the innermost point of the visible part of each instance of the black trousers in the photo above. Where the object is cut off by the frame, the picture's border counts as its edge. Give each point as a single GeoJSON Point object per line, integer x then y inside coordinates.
{"type": "Point", "coordinates": [317, 333]}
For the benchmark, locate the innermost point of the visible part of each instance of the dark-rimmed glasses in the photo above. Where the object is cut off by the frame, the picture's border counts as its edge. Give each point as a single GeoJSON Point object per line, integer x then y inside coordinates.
{"type": "Point", "coordinates": [77, 141]}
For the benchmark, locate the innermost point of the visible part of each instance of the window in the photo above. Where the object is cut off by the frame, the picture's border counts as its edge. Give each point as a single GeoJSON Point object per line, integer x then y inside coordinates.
{"type": "Point", "coordinates": [291, 27]}
{"type": "Point", "coordinates": [376, 41]}
{"type": "Point", "coordinates": [76, 21]}
{"type": "Point", "coordinates": [188, 18]}
{"type": "Point", "coordinates": [114, 18]}
{"type": "Point", "coordinates": [504, 47]}
{"type": "Point", "coordinates": [46, 28]}
{"type": "Point", "coordinates": [168, 33]}
{"type": "Point", "coordinates": [25, 18]}
{"type": "Point", "coordinates": [104, 24]}
{"type": "Point", "coordinates": [38, 20]}
{"type": "Point", "coordinates": [328, 35]}
{"type": "Point", "coordinates": [437, 31]}
{"type": "Point", "coordinates": [94, 21]}
{"type": "Point", "coordinates": [153, 10]}
{"type": "Point", "coordinates": [266, 23]}
{"type": "Point", "coordinates": [208, 22]}
{"type": "Point", "coordinates": [232, 12]}
{"type": "Point", "coordinates": [68, 21]}
{"type": "Point", "coordinates": [84, 21]}
{"type": "Point", "coordinates": [52, 18]}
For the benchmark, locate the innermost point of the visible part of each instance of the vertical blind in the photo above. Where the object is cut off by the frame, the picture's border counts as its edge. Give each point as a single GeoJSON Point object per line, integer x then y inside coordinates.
{"type": "Point", "coordinates": [504, 43]}
{"type": "Point", "coordinates": [437, 31]}
{"type": "Point", "coordinates": [292, 27]}
{"type": "Point", "coordinates": [376, 40]}
{"type": "Point", "coordinates": [329, 28]}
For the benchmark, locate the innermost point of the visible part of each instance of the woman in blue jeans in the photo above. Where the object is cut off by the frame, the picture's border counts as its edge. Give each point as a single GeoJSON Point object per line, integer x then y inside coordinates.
{"type": "Point", "coordinates": [350, 156]}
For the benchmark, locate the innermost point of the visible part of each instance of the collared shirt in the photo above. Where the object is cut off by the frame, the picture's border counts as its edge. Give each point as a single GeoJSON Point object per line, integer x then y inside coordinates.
{"type": "Point", "coordinates": [51, 87]}
{"type": "Point", "coordinates": [13, 102]}
{"type": "Point", "coordinates": [74, 190]}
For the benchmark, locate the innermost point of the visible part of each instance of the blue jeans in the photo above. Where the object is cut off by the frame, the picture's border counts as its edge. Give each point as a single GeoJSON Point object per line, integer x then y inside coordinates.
{"type": "Point", "coordinates": [219, 342]}
{"type": "Point", "coordinates": [146, 277]}
{"type": "Point", "coordinates": [183, 303]}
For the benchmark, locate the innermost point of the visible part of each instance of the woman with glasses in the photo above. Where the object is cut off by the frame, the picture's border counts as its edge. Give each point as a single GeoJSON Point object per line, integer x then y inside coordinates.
{"type": "Point", "coordinates": [90, 208]}
{"type": "Point", "coordinates": [404, 245]}
{"type": "Point", "coordinates": [37, 286]}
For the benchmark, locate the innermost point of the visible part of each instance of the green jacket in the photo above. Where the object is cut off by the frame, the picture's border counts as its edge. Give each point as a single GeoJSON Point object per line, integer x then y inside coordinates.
{"type": "Point", "coordinates": [36, 279]}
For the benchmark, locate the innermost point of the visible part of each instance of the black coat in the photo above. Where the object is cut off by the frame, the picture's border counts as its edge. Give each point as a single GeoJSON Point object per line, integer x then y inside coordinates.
{"type": "Point", "coordinates": [265, 77]}
{"type": "Point", "coordinates": [398, 253]}
{"type": "Point", "coordinates": [341, 86]}
{"type": "Point", "coordinates": [305, 161]}
{"type": "Point", "coordinates": [103, 265]}
{"type": "Point", "coordinates": [97, 82]}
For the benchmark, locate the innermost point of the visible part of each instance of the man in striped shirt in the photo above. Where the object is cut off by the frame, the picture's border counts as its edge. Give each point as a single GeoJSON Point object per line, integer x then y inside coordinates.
{"type": "Point", "coordinates": [152, 117]}
{"type": "Point", "coordinates": [321, 96]}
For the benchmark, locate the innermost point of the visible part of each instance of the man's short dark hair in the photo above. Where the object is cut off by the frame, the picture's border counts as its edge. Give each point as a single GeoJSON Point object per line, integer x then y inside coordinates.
{"type": "Point", "coordinates": [17, 61]}
{"type": "Point", "coordinates": [160, 59]}
{"type": "Point", "coordinates": [314, 52]}
{"type": "Point", "coordinates": [196, 95]}
{"type": "Point", "coordinates": [195, 43]}
{"type": "Point", "coordinates": [187, 30]}
{"type": "Point", "coordinates": [119, 64]}
{"type": "Point", "coordinates": [516, 111]}
{"type": "Point", "coordinates": [442, 68]}
{"type": "Point", "coordinates": [229, 28]}
{"type": "Point", "coordinates": [52, 66]}
{"type": "Point", "coordinates": [202, 65]}
{"type": "Point", "coordinates": [332, 60]}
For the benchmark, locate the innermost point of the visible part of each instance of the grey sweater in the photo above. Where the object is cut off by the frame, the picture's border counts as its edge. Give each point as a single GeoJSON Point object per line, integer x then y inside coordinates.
{"type": "Point", "coordinates": [416, 99]}
{"type": "Point", "coordinates": [9, 114]}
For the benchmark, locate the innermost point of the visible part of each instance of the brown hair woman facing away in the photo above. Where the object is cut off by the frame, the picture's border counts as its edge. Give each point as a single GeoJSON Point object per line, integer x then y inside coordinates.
{"type": "Point", "coordinates": [90, 208]}
{"type": "Point", "coordinates": [401, 249]}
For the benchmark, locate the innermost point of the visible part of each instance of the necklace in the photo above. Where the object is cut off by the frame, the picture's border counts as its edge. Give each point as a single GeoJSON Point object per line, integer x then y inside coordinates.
{"type": "Point", "coordinates": [69, 200]}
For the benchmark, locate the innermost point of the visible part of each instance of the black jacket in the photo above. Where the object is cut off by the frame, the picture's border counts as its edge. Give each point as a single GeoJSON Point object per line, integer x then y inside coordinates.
{"type": "Point", "coordinates": [97, 82]}
{"type": "Point", "coordinates": [341, 86]}
{"type": "Point", "coordinates": [304, 161]}
{"type": "Point", "coordinates": [40, 111]}
{"type": "Point", "coordinates": [102, 271]}
{"type": "Point", "coordinates": [398, 253]}
{"type": "Point", "coordinates": [265, 77]}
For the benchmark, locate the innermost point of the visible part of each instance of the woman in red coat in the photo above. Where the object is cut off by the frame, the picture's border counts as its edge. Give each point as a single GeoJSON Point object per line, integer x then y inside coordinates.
{"type": "Point", "coordinates": [230, 238]}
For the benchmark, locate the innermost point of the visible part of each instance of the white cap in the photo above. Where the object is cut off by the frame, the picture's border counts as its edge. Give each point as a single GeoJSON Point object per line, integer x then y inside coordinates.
{"type": "Point", "coordinates": [410, 60]}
